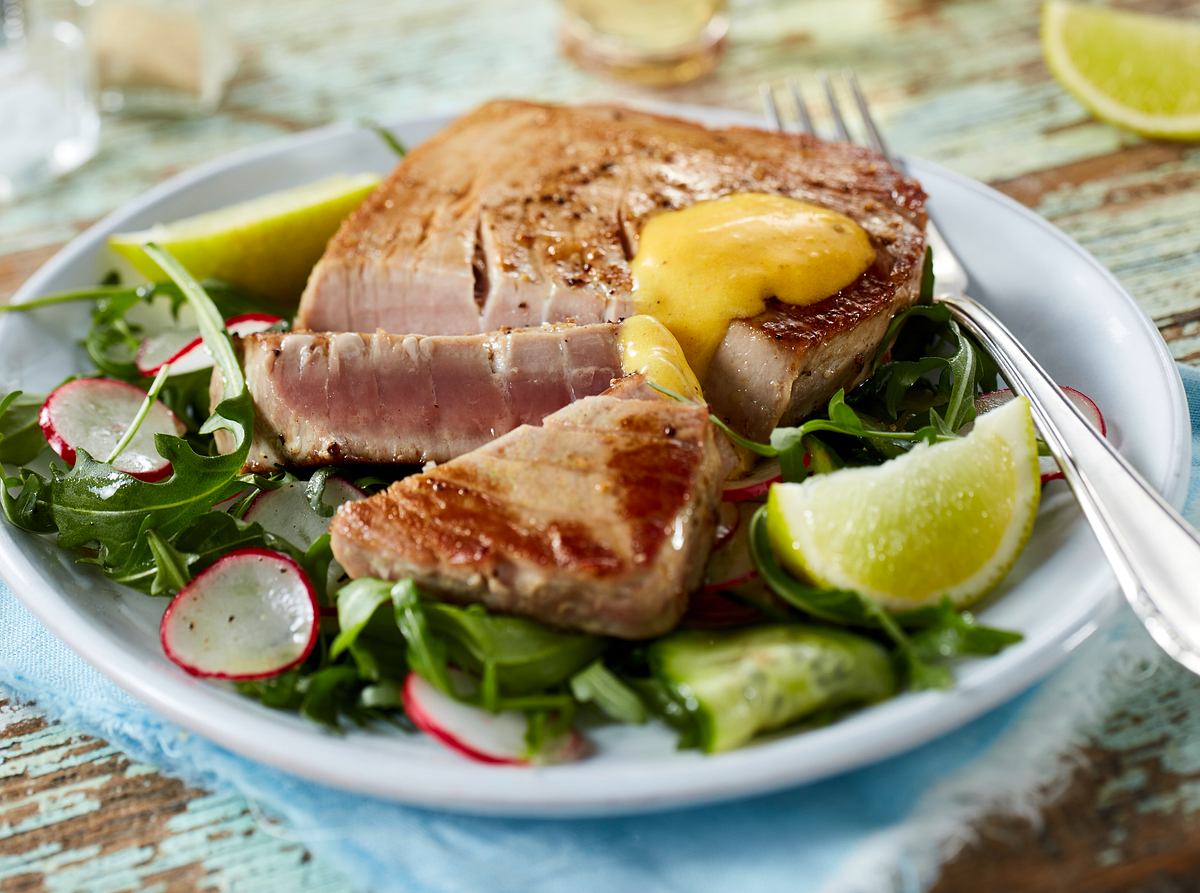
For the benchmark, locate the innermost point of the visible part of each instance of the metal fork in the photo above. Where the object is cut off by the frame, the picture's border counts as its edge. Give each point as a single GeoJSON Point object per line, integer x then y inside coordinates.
{"type": "Point", "coordinates": [1154, 553]}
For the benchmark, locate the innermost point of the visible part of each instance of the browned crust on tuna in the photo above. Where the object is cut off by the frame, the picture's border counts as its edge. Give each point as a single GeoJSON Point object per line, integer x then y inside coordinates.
{"type": "Point", "coordinates": [558, 195]}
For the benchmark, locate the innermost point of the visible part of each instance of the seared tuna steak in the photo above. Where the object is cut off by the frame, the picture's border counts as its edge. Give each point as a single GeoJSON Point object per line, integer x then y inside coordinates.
{"type": "Point", "coordinates": [599, 520]}
{"type": "Point", "coordinates": [380, 398]}
{"type": "Point", "coordinates": [520, 213]}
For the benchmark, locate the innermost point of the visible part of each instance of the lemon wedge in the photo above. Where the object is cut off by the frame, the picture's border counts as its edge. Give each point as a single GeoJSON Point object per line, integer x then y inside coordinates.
{"type": "Point", "coordinates": [266, 245]}
{"type": "Point", "coordinates": [942, 520]}
{"type": "Point", "coordinates": [1132, 69]}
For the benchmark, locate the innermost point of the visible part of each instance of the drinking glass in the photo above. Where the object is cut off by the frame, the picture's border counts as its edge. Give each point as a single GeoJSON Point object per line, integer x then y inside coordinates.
{"type": "Point", "coordinates": [653, 42]}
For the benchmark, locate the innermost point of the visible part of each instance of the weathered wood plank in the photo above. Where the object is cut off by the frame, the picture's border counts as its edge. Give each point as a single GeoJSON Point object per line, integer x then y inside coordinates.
{"type": "Point", "coordinates": [76, 814]}
{"type": "Point", "coordinates": [1129, 819]}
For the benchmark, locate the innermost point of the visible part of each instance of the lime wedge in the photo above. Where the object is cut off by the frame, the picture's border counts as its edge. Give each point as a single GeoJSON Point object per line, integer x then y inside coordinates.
{"type": "Point", "coordinates": [1132, 69]}
{"type": "Point", "coordinates": [266, 245]}
{"type": "Point", "coordinates": [943, 520]}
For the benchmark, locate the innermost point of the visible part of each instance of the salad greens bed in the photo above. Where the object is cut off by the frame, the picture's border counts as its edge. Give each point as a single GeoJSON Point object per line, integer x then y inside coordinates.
{"type": "Point", "coordinates": [786, 653]}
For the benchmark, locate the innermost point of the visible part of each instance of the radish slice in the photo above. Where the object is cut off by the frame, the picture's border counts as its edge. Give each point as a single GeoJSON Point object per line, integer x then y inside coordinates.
{"type": "Point", "coordinates": [286, 513]}
{"type": "Point", "coordinates": [93, 414]}
{"type": "Point", "coordinates": [497, 738]}
{"type": "Point", "coordinates": [224, 505]}
{"type": "Point", "coordinates": [185, 350]}
{"type": "Point", "coordinates": [155, 350]}
{"type": "Point", "coordinates": [728, 521]}
{"type": "Point", "coordinates": [754, 485]}
{"type": "Point", "coordinates": [250, 615]}
{"type": "Point", "coordinates": [1085, 404]}
{"type": "Point", "coordinates": [731, 565]}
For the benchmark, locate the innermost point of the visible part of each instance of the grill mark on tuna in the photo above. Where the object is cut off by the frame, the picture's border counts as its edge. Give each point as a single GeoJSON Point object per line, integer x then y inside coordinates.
{"type": "Point", "coordinates": [425, 222]}
{"type": "Point", "coordinates": [479, 266]}
{"type": "Point", "coordinates": [650, 500]}
{"type": "Point", "coordinates": [466, 526]}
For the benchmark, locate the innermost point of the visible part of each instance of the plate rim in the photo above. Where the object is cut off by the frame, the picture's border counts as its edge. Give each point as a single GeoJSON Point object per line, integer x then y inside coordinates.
{"type": "Point", "coordinates": [465, 787]}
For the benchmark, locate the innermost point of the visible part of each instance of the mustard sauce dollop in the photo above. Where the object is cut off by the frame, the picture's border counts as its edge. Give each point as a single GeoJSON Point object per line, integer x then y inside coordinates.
{"type": "Point", "coordinates": [698, 269]}
{"type": "Point", "coordinates": [648, 347]}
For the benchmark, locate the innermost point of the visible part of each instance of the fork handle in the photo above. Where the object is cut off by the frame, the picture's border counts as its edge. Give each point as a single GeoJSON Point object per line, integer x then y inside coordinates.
{"type": "Point", "coordinates": [1154, 553]}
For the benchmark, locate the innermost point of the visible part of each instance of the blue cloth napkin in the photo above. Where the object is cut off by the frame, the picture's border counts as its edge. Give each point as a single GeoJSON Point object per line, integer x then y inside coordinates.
{"type": "Point", "coordinates": [883, 827]}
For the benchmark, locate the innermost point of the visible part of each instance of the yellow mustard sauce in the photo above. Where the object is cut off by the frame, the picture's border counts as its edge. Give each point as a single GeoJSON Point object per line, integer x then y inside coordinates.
{"type": "Point", "coordinates": [699, 268]}
{"type": "Point", "coordinates": [648, 347]}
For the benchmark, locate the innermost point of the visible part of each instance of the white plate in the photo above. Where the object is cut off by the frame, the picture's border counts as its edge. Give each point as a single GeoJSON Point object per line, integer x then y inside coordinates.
{"type": "Point", "coordinates": [1058, 299]}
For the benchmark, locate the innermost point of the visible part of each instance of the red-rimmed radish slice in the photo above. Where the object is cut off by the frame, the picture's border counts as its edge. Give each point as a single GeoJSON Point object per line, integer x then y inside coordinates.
{"type": "Point", "coordinates": [729, 518]}
{"type": "Point", "coordinates": [754, 485]}
{"type": "Point", "coordinates": [497, 738]}
{"type": "Point", "coordinates": [285, 511]}
{"type": "Point", "coordinates": [1085, 404]}
{"type": "Point", "coordinates": [224, 505]}
{"type": "Point", "coordinates": [250, 615]}
{"type": "Point", "coordinates": [185, 350]}
{"type": "Point", "coordinates": [93, 414]}
{"type": "Point", "coordinates": [163, 347]}
{"type": "Point", "coordinates": [731, 565]}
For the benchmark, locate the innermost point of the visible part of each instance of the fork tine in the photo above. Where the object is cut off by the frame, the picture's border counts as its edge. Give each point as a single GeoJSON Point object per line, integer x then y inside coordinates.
{"type": "Point", "coordinates": [874, 137]}
{"type": "Point", "coordinates": [770, 106]}
{"type": "Point", "coordinates": [835, 108]}
{"type": "Point", "coordinates": [806, 122]}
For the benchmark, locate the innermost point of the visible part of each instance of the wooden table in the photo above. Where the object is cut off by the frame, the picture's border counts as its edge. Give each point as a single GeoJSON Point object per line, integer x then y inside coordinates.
{"type": "Point", "coordinates": [962, 83]}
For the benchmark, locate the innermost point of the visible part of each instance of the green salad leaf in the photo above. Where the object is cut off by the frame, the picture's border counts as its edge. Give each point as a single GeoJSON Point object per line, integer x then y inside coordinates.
{"type": "Point", "coordinates": [597, 684]}
{"type": "Point", "coordinates": [21, 438]}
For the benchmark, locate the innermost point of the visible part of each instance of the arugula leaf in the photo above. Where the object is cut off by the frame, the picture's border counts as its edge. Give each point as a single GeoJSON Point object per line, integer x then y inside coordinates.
{"type": "Point", "coordinates": [523, 655]}
{"type": "Point", "coordinates": [316, 561]}
{"type": "Point", "coordinates": [952, 633]}
{"type": "Point", "coordinates": [94, 504]}
{"type": "Point", "coordinates": [91, 294]}
{"type": "Point", "coordinates": [329, 693]}
{"type": "Point", "coordinates": [357, 603]}
{"type": "Point", "coordinates": [324, 695]}
{"type": "Point", "coordinates": [359, 600]}
{"type": "Point", "coordinates": [171, 565]}
{"type": "Point", "coordinates": [314, 491]}
{"type": "Point", "coordinates": [139, 417]}
{"type": "Point", "coordinates": [599, 685]}
{"type": "Point", "coordinates": [21, 438]}
{"type": "Point", "coordinates": [205, 539]}
{"type": "Point", "coordinates": [29, 509]}
{"type": "Point", "coordinates": [389, 139]}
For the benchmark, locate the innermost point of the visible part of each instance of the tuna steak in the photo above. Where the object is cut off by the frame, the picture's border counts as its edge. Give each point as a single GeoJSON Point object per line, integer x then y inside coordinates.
{"type": "Point", "coordinates": [520, 213]}
{"type": "Point", "coordinates": [599, 520]}
{"type": "Point", "coordinates": [351, 398]}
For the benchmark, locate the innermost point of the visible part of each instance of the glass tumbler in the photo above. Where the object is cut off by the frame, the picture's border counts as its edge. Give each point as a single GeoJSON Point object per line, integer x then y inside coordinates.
{"type": "Point", "coordinates": [48, 120]}
{"type": "Point", "coordinates": [652, 42]}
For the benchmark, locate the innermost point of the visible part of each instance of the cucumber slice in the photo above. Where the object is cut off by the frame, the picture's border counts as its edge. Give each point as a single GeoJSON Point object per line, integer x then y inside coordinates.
{"type": "Point", "coordinates": [738, 684]}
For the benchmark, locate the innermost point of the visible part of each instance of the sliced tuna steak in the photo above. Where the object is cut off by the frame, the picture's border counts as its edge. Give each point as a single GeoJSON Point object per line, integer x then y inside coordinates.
{"type": "Point", "coordinates": [520, 213]}
{"type": "Point", "coordinates": [599, 520]}
{"type": "Point", "coordinates": [350, 398]}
